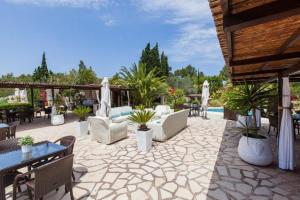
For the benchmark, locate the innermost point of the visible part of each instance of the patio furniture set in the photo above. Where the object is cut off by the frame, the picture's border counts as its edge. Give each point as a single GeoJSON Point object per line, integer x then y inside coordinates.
{"type": "Point", "coordinates": [13, 115]}
{"type": "Point", "coordinates": [50, 163]}
{"type": "Point", "coordinates": [165, 124]}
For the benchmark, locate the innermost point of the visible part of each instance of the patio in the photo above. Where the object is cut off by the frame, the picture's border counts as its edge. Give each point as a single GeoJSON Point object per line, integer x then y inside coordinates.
{"type": "Point", "coordinates": [201, 162]}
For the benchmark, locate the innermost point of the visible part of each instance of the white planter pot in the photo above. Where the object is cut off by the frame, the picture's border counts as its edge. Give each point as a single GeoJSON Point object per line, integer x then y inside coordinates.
{"type": "Point", "coordinates": [81, 128]}
{"type": "Point", "coordinates": [57, 120]}
{"type": "Point", "coordinates": [241, 121]}
{"type": "Point", "coordinates": [26, 148]}
{"type": "Point", "coordinates": [255, 151]}
{"type": "Point", "coordinates": [144, 140]}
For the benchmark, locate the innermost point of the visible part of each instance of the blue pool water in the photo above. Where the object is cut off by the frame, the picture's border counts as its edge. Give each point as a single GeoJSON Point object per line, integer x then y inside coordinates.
{"type": "Point", "coordinates": [219, 110]}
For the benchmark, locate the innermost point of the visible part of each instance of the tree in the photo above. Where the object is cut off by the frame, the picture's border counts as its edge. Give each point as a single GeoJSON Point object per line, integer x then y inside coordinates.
{"type": "Point", "coordinates": [152, 59]}
{"type": "Point", "coordinates": [41, 73]}
{"type": "Point", "coordinates": [85, 75]}
{"type": "Point", "coordinates": [188, 71]}
{"type": "Point", "coordinates": [165, 68]}
{"type": "Point", "coordinates": [147, 86]}
{"type": "Point", "coordinates": [146, 56]}
{"type": "Point", "coordinates": [224, 74]}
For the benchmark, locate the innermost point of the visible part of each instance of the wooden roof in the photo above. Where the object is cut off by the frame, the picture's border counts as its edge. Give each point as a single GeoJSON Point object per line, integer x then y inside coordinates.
{"type": "Point", "coordinates": [260, 39]}
{"type": "Point", "coordinates": [9, 84]}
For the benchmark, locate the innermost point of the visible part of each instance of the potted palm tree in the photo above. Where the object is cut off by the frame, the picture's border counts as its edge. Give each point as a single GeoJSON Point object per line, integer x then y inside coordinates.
{"type": "Point", "coordinates": [253, 147]}
{"type": "Point", "coordinates": [143, 133]}
{"type": "Point", "coordinates": [82, 124]}
{"type": "Point", "coordinates": [26, 144]}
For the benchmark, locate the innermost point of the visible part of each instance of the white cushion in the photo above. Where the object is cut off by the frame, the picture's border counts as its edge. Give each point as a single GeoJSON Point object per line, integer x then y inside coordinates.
{"type": "Point", "coordinates": [119, 119]}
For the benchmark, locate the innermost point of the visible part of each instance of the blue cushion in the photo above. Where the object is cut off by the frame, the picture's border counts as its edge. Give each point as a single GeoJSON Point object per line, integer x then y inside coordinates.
{"type": "Point", "coordinates": [115, 116]}
{"type": "Point", "coordinates": [126, 113]}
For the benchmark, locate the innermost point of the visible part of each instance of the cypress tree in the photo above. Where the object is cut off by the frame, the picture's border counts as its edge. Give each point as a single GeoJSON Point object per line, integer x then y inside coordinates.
{"type": "Point", "coordinates": [41, 73]}
{"type": "Point", "coordinates": [165, 68]}
{"type": "Point", "coordinates": [155, 59]}
{"type": "Point", "coordinates": [146, 57]}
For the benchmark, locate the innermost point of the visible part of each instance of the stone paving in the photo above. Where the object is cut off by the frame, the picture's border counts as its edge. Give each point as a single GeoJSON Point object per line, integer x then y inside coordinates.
{"type": "Point", "coordinates": [201, 162]}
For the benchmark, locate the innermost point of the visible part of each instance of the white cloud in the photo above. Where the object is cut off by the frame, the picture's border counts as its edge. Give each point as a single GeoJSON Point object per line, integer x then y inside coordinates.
{"type": "Point", "coordinates": [176, 11]}
{"type": "Point", "coordinates": [196, 37]}
{"type": "Point", "coordinates": [95, 4]}
{"type": "Point", "coordinates": [194, 42]}
{"type": "Point", "coordinates": [108, 20]}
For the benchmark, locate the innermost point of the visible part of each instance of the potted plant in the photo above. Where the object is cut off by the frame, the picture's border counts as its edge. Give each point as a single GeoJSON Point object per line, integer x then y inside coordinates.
{"type": "Point", "coordinates": [253, 147]}
{"type": "Point", "coordinates": [82, 124]}
{"type": "Point", "coordinates": [57, 116]}
{"type": "Point", "coordinates": [26, 144]}
{"type": "Point", "coordinates": [143, 133]}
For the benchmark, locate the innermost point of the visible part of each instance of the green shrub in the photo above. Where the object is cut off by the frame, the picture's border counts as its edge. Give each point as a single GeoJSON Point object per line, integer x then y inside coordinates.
{"type": "Point", "coordinates": [15, 106]}
{"type": "Point", "coordinates": [82, 112]}
{"type": "Point", "coordinates": [216, 103]}
{"type": "Point", "coordinates": [141, 117]}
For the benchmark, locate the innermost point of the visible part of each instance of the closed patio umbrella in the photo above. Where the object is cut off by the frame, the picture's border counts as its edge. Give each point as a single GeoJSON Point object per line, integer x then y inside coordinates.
{"type": "Point", "coordinates": [286, 138]}
{"type": "Point", "coordinates": [205, 97]}
{"type": "Point", "coordinates": [105, 98]}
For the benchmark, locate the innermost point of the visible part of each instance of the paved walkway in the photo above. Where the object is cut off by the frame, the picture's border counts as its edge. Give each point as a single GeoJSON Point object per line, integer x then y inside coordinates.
{"type": "Point", "coordinates": [199, 163]}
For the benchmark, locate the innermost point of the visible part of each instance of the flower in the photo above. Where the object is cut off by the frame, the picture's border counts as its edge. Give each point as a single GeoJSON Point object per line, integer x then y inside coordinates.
{"type": "Point", "coordinates": [171, 91]}
{"type": "Point", "coordinates": [294, 98]}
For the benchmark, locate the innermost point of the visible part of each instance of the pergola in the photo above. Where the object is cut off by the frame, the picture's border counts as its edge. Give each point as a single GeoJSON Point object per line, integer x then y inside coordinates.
{"type": "Point", "coordinates": [116, 90]}
{"type": "Point", "coordinates": [260, 40]}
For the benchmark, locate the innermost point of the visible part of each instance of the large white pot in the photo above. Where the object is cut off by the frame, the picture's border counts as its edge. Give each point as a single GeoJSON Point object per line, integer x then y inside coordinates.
{"type": "Point", "coordinates": [255, 151]}
{"type": "Point", "coordinates": [81, 128]}
{"type": "Point", "coordinates": [241, 121]}
{"type": "Point", "coordinates": [144, 140]}
{"type": "Point", "coordinates": [57, 119]}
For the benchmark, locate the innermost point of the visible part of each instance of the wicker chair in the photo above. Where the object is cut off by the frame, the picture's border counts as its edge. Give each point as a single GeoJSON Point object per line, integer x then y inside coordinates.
{"type": "Point", "coordinates": [8, 145]}
{"type": "Point", "coordinates": [47, 178]}
{"type": "Point", "coordinates": [3, 133]}
{"type": "Point", "coordinates": [68, 142]}
{"type": "Point", "coordinates": [12, 129]}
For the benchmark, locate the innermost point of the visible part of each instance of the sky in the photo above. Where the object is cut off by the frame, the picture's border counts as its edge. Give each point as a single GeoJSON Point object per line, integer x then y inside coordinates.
{"type": "Point", "coordinates": [105, 34]}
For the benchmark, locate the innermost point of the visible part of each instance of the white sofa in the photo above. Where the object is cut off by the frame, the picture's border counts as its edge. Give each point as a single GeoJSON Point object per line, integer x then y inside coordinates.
{"type": "Point", "coordinates": [120, 114]}
{"type": "Point", "coordinates": [168, 125]}
{"type": "Point", "coordinates": [105, 132]}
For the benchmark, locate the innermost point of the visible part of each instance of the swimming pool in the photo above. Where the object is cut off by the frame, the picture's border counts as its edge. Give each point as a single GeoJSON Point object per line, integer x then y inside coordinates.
{"type": "Point", "coordinates": [217, 109]}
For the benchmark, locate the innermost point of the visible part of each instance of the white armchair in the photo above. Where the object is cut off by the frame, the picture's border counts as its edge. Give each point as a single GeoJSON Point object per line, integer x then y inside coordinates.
{"type": "Point", "coordinates": [105, 132]}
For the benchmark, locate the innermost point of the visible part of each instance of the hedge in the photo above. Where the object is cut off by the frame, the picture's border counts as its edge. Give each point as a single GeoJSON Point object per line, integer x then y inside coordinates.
{"type": "Point", "coordinates": [14, 106]}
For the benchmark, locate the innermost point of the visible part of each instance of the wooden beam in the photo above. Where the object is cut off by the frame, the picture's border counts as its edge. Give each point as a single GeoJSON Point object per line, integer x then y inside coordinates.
{"type": "Point", "coordinates": [226, 12]}
{"type": "Point", "coordinates": [286, 45]}
{"type": "Point", "coordinates": [268, 12]}
{"type": "Point", "coordinates": [32, 97]}
{"type": "Point", "coordinates": [292, 70]}
{"type": "Point", "coordinates": [257, 72]}
{"type": "Point", "coordinates": [265, 59]}
{"type": "Point", "coordinates": [280, 84]}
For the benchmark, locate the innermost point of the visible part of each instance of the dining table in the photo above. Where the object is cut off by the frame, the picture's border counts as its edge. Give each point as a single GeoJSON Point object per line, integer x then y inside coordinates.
{"type": "Point", "coordinates": [14, 159]}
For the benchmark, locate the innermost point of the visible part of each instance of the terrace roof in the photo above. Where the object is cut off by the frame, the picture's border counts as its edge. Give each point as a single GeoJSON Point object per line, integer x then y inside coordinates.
{"type": "Point", "coordinates": [260, 40]}
{"type": "Point", "coordinates": [9, 84]}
